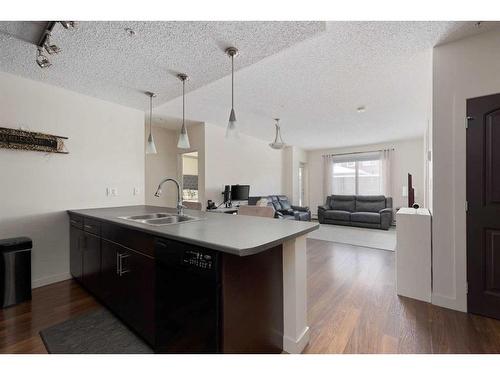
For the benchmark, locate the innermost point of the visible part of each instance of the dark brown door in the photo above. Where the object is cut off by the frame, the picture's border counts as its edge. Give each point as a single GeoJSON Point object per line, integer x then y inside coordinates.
{"type": "Point", "coordinates": [483, 212]}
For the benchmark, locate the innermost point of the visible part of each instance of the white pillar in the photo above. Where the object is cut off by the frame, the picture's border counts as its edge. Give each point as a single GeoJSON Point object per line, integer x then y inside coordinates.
{"type": "Point", "coordinates": [295, 328]}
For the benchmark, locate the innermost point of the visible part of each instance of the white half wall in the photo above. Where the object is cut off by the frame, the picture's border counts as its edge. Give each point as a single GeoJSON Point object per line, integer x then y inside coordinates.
{"type": "Point", "coordinates": [408, 158]}
{"type": "Point", "coordinates": [247, 160]}
{"type": "Point", "coordinates": [463, 69]}
{"type": "Point", "coordinates": [106, 149]}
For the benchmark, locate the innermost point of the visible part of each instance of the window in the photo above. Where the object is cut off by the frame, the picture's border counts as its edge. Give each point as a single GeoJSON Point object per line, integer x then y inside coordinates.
{"type": "Point", "coordinates": [363, 177]}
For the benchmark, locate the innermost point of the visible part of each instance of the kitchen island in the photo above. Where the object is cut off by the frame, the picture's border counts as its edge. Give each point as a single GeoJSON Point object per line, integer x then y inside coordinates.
{"type": "Point", "coordinates": [215, 284]}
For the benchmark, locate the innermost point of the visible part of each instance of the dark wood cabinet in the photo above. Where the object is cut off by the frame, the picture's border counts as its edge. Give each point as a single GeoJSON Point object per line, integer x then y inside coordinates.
{"type": "Point", "coordinates": [128, 279]}
{"type": "Point", "coordinates": [91, 260]}
{"type": "Point", "coordinates": [178, 297]}
{"type": "Point", "coordinates": [137, 278]}
{"type": "Point", "coordinates": [76, 253]}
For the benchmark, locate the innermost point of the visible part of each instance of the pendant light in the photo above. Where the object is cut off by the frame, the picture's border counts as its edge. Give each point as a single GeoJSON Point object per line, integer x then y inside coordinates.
{"type": "Point", "coordinates": [150, 145]}
{"type": "Point", "coordinates": [278, 143]}
{"type": "Point", "coordinates": [183, 137]}
{"type": "Point", "coordinates": [232, 130]}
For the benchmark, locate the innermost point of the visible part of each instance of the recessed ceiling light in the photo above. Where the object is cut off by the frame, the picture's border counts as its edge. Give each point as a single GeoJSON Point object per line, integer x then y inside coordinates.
{"type": "Point", "coordinates": [129, 31]}
{"type": "Point", "coordinates": [361, 109]}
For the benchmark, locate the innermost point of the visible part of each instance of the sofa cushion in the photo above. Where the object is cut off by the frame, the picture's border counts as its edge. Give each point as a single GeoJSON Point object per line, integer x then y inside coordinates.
{"type": "Point", "coordinates": [365, 217]}
{"type": "Point", "coordinates": [337, 215]}
{"type": "Point", "coordinates": [370, 203]}
{"type": "Point", "coordinates": [343, 203]}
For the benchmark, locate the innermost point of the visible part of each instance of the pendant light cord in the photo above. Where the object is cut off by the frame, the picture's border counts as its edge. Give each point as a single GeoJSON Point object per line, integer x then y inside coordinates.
{"type": "Point", "coordinates": [232, 81]}
{"type": "Point", "coordinates": [183, 104]}
{"type": "Point", "coordinates": [150, 111]}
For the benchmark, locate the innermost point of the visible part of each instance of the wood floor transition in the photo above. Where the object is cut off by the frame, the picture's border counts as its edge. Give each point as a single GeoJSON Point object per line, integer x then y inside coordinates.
{"type": "Point", "coordinates": [353, 308]}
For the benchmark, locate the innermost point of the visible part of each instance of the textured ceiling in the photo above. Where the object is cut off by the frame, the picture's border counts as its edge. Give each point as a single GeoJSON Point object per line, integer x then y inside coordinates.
{"type": "Point", "coordinates": [311, 74]}
{"type": "Point", "coordinates": [100, 59]}
{"type": "Point", "coordinates": [316, 85]}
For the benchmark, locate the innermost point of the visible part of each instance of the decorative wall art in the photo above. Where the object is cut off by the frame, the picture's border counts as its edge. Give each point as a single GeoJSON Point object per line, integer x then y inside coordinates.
{"type": "Point", "coordinates": [31, 141]}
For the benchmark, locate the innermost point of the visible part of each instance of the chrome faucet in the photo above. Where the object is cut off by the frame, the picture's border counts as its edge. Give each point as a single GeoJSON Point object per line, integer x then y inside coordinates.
{"type": "Point", "coordinates": [180, 207]}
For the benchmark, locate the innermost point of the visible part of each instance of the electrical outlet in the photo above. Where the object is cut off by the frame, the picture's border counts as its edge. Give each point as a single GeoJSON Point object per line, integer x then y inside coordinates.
{"type": "Point", "coordinates": [114, 192]}
{"type": "Point", "coordinates": [137, 191]}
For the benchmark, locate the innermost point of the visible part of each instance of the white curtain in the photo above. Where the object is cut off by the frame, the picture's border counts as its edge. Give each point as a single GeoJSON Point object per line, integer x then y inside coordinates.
{"type": "Point", "coordinates": [327, 175]}
{"type": "Point", "coordinates": [386, 162]}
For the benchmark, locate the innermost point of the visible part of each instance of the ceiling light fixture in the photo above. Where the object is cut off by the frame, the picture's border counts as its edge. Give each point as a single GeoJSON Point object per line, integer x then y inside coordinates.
{"type": "Point", "coordinates": [183, 136]}
{"type": "Point", "coordinates": [50, 48]}
{"type": "Point", "coordinates": [232, 130]}
{"type": "Point", "coordinates": [44, 42]}
{"type": "Point", "coordinates": [150, 145]}
{"type": "Point", "coordinates": [361, 109]}
{"type": "Point", "coordinates": [278, 143]}
{"type": "Point", "coordinates": [42, 60]}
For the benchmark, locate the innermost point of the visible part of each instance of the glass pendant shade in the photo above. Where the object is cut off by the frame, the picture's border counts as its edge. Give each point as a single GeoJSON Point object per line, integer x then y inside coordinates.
{"type": "Point", "coordinates": [183, 141]}
{"type": "Point", "coordinates": [278, 143]}
{"type": "Point", "coordinates": [232, 129]}
{"type": "Point", "coordinates": [183, 138]}
{"type": "Point", "coordinates": [150, 144]}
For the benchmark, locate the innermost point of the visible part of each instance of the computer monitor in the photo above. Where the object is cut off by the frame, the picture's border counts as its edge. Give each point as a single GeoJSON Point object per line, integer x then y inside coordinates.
{"type": "Point", "coordinates": [240, 192]}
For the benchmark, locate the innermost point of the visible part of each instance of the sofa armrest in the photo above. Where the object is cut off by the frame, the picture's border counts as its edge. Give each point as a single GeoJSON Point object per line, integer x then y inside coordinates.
{"type": "Point", "coordinates": [323, 208]}
{"type": "Point", "coordinates": [385, 218]}
{"type": "Point", "coordinates": [300, 208]}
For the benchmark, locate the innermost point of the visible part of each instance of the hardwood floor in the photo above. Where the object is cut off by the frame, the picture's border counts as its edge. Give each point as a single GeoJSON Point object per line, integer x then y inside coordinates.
{"type": "Point", "coordinates": [52, 304]}
{"type": "Point", "coordinates": [353, 308]}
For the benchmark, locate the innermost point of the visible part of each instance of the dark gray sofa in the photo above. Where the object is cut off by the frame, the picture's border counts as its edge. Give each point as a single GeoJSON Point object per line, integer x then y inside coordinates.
{"type": "Point", "coordinates": [369, 211]}
{"type": "Point", "coordinates": [283, 208]}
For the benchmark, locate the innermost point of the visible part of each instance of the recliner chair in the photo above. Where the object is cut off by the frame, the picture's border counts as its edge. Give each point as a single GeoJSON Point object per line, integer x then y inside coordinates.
{"type": "Point", "coordinates": [284, 210]}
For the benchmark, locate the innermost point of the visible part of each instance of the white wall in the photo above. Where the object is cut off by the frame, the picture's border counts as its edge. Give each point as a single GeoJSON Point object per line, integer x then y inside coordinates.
{"type": "Point", "coordinates": [247, 160]}
{"type": "Point", "coordinates": [408, 158]}
{"type": "Point", "coordinates": [168, 163]}
{"type": "Point", "coordinates": [160, 165]}
{"type": "Point", "coordinates": [106, 149]}
{"type": "Point", "coordinates": [463, 69]}
{"type": "Point", "coordinates": [292, 158]}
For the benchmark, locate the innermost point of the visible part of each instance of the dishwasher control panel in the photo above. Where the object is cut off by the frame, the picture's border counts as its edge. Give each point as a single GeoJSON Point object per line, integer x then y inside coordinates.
{"type": "Point", "coordinates": [198, 259]}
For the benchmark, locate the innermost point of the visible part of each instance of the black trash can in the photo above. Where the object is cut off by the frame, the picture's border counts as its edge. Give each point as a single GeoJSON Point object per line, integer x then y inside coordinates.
{"type": "Point", "coordinates": [15, 270]}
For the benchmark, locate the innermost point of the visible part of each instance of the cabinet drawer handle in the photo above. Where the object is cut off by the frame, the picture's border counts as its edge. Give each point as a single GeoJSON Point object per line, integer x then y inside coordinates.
{"type": "Point", "coordinates": [88, 226]}
{"type": "Point", "coordinates": [121, 271]}
{"type": "Point", "coordinates": [72, 221]}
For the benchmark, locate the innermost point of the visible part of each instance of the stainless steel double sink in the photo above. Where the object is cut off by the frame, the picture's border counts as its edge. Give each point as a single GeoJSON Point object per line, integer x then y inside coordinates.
{"type": "Point", "coordinates": [160, 218]}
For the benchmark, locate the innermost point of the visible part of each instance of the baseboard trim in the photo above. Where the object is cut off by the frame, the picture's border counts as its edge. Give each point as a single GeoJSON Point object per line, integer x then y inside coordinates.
{"type": "Point", "coordinates": [50, 280]}
{"type": "Point", "coordinates": [296, 346]}
{"type": "Point", "coordinates": [447, 302]}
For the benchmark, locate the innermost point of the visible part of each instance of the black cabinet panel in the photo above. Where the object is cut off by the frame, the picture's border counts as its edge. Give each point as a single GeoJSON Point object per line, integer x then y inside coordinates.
{"type": "Point", "coordinates": [92, 263]}
{"type": "Point", "coordinates": [128, 287]}
{"type": "Point", "coordinates": [76, 252]}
